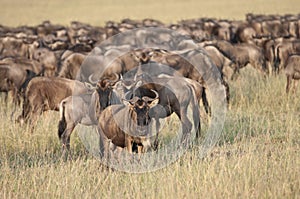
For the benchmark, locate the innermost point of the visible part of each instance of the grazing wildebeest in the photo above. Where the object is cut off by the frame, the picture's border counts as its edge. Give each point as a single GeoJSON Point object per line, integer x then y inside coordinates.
{"type": "Point", "coordinates": [71, 65]}
{"type": "Point", "coordinates": [219, 60]}
{"type": "Point", "coordinates": [14, 78]}
{"type": "Point", "coordinates": [24, 63]}
{"type": "Point", "coordinates": [283, 50]}
{"type": "Point", "coordinates": [12, 46]}
{"type": "Point", "coordinates": [292, 71]}
{"type": "Point", "coordinates": [244, 34]}
{"type": "Point", "coordinates": [184, 68]}
{"type": "Point", "coordinates": [48, 60]}
{"type": "Point", "coordinates": [115, 61]}
{"type": "Point", "coordinates": [46, 93]}
{"type": "Point", "coordinates": [242, 54]}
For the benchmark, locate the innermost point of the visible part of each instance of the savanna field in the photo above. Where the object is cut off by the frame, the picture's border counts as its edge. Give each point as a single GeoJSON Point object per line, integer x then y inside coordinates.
{"type": "Point", "coordinates": [258, 155]}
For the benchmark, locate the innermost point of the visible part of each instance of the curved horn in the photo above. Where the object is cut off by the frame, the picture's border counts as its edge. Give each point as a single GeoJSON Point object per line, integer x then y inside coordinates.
{"type": "Point", "coordinates": [91, 79]}
{"type": "Point", "coordinates": [115, 79]}
{"type": "Point", "coordinates": [132, 100]}
{"type": "Point", "coordinates": [149, 99]}
{"type": "Point", "coordinates": [126, 95]}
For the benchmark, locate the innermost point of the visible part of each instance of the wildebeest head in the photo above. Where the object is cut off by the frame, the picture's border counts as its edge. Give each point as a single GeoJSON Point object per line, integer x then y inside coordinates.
{"type": "Point", "coordinates": [140, 107]}
{"type": "Point", "coordinates": [141, 55]}
{"type": "Point", "coordinates": [105, 88]}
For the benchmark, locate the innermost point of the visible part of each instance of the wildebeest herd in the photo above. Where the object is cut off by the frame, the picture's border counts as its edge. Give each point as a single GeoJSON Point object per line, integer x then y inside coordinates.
{"type": "Point", "coordinates": [54, 67]}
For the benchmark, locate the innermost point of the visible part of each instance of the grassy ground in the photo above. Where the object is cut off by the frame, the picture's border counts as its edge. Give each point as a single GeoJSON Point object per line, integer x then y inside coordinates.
{"type": "Point", "coordinates": [96, 12]}
{"type": "Point", "coordinates": [257, 157]}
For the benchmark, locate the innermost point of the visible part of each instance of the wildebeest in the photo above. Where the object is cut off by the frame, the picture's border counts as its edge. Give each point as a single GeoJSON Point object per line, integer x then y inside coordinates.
{"type": "Point", "coordinates": [283, 50]}
{"type": "Point", "coordinates": [219, 60]}
{"type": "Point", "coordinates": [46, 93]}
{"type": "Point", "coordinates": [115, 60]}
{"type": "Point", "coordinates": [242, 54]}
{"type": "Point", "coordinates": [182, 67]}
{"type": "Point", "coordinates": [12, 46]}
{"type": "Point", "coordinates": [244, 34]}
{"type": "Point", "coordinates": [85, 108]}
{"type": "Point", "coordinates": [292, 71]}
{"type": "Point", "coordinates": [176, 93]}
{"type": "Point", "coordinates": [24, 63]}
{"type": "Point", "coordinates": [14, 78]}
{"type": "Point", "coordinates": [48, 60]}
{"type": "Point", "coordinates": [77, 109]}
{"type": "Point", "coordinates": [71, 65]}
{"type": "Point", "coordinates": [130, 122]}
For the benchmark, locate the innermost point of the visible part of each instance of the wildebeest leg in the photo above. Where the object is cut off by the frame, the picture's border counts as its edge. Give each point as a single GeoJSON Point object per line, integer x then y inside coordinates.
{"type": "Point", "coordinates": [186, 125]}
{"type": "Point", "coordinates": [140, 149]}
{"type": "Point", "coordinates": [104, 144]}
{"type": "Point", "coordinates": [6, 98]}
{"type": "Point", "coordinates": [16, 102]}
{"type": "Point", "coordinates": [65, 139]}
{"type": "Point", "coordinates": [128, 143]}
{"type": "Point", "coordinates": [236, 71]}
{"type": "Point", "coordinates": [32, 118]}
{"type": "Point", "coordinates": [65, 136]}
{"type": "Point", "coordinates": [26, 112]}
{"type": "Point", "coordinates": [288, 83]}
{"type": "Point", "coordinates": [156, 141]}
{"type": "Point", "coordinates": [196, 118]}
{"type": "Point", "coordinates": [16, 95]}
{"type": "Point", "coordinates": [270, 68]}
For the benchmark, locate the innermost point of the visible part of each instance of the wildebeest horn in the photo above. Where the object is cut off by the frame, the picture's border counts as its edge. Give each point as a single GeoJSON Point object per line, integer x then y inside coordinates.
{"type": "Point", "coordinates": [91, 79]}
{"type": "Point", "coordinates": [163, 51]}
{"type": "Point", "coordinates": [132, 100]}
{"type": "Point", "coordinates": [116, 78]}
{"type": "Point", "coordinates": [148, 99]}
{"type": "Point", "coordinates": [126, 95]}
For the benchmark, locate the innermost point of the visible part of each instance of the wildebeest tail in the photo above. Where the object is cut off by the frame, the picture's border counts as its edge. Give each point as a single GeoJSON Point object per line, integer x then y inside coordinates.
{"type": "Point", "coordinates": [227, 91]}
{"type": "Point", "coordinates": [205, 102]}
{"type": "Point", "coordinates": [62, 120]}
{"type": "Point", "coordinates": [277, 58]}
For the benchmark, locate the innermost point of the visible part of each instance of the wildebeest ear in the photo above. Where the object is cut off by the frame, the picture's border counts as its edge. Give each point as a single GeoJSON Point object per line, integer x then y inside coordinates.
{"type": "Point", "coordinates": [139, 84]}
{"type": "Point", "coordinates": [154, 103]}
{"type": "Point", "coordinates": [130, 102]}
{"type": "Point", "coordinates": [126, 103]}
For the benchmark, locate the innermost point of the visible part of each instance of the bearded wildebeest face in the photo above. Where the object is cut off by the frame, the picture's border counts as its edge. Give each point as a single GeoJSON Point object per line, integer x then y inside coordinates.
{"type": "Point", "coordinates": [142, 112]}
{"type": "Point", "coordinates": [140, 107]}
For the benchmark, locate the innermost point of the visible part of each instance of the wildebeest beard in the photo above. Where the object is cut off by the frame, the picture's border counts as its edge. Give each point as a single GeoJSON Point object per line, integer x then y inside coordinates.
{"type": "Point", "coordinates": [140, 114]}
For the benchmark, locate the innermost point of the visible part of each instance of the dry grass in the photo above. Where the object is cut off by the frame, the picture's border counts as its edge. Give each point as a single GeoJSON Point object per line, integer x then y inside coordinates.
{"type": "Point", "coordinates": [257, 156]}
{"type": "Point", "coordinates": [96, 12]}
